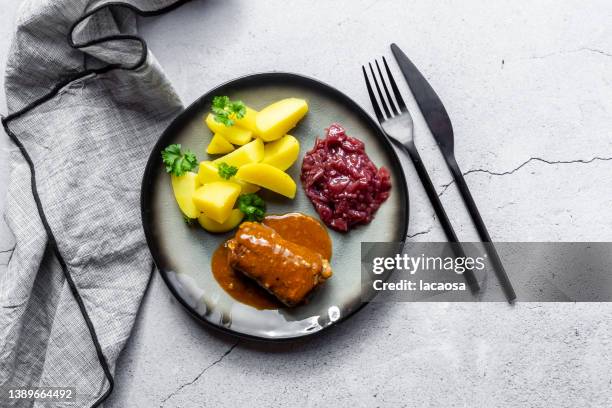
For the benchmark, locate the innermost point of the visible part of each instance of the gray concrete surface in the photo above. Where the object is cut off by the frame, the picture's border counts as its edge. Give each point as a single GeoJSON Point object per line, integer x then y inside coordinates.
{"type": "Point", "coordinates": [529, 88]}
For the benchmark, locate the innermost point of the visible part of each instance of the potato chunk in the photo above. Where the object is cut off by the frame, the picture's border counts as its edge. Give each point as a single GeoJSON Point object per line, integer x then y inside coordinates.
{"type": "Point", "coordinates": [209, 173]}
{"type": "Point", "coordinates": [233, 134]}
{"type": "Point", "coordinates": [251, 152]}
{"type": "Point", "coordinates": [248, 121]}
{"type": "Point", "coordinates": [211, 225]}
{"type": "Point", "coordinates": [268, 177]}
{"type": "Point", "coordinates": [282, 153]}
{"type": "Point", "coordinates": [183, 187]}
{"type": "Point", "coordinates": [275, 120]}
{"type": "Point", "coordinates": [218, 145]}
{"type": "Point", "coordinates": [217, 199]}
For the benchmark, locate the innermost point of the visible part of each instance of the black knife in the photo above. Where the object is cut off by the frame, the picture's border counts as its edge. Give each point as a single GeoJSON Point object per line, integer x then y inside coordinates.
{"type": "Point", "coordinates": [440, 126]}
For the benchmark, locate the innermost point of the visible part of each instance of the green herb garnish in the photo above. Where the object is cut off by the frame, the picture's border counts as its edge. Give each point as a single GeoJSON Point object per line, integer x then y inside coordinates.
{"type": "Point", "coordinates": [226, 171]}
{"type": "Point", "coordinates": [225, 111]}
{"type": "Point", "coordinates": [253, 207]}
{"type": "Point", "coordinates": [188, 221]}
{"type": "Point", "coordinates": [178, 163]}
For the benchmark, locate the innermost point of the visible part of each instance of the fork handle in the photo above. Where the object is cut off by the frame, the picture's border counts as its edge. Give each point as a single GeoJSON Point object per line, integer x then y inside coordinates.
{"type": "Point", "coordinates": [412, 151]}
{"type": "Point", "coordinates": [482, 229]}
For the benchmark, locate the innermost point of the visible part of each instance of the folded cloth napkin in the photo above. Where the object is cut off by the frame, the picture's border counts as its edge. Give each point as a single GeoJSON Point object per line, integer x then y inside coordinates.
{"type": "Point", "coordinates": [86, 102]}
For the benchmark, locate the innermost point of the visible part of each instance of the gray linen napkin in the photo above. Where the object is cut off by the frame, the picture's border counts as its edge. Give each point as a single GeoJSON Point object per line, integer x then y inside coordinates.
{"type": "Point", "coordinates": [86, 101]}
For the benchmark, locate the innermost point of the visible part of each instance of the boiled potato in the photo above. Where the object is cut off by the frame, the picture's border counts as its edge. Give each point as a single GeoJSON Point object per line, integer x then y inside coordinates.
{"type": "Point", "coordinates": [211, 225]}
{"type": "Point", "coordinates": [233, 134]}
{"type": "Point", "coordinates": [282, 153]}
{"type": "Point", "coordinates": [217, 199]}
{"type": "Point", "coordinates": [251, 152]}
{"type": "Point", "coordinates": [209, 173]}
{"type": "Point", "coordinates": [184, 186]}
{"type": "Point", "coordinates": [277, 119]}
{"type": "Point", "coordinates": [218, 145]}
{"type": "Point", "coordinates": [248, 120]}
{"type": "Point", "coordinates": [268, 177]}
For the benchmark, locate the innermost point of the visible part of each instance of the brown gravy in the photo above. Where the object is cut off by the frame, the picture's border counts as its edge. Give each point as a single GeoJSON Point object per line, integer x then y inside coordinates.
{"type": "Point", "coordinates": [302, 230]}
{"type": "Point", "coordinates": [295, 227]}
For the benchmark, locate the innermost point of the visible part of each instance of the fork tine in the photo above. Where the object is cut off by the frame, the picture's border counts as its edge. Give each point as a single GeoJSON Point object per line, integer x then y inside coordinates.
{"type": "Point", "coordinates": [380, 95]}
{"type": "Point", "coordinates": [398, 95]}
{"type": "Point", "coordinates": [384, 84]}
{"type": "Point", "coordinates": [377, 110]}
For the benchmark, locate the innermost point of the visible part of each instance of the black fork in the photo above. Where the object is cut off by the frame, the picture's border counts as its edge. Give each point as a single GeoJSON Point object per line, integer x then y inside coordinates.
{"type": "Point", "coordinates": [396, 121]}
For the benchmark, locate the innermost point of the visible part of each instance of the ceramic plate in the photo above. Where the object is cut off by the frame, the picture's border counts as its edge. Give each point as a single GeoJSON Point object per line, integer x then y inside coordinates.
{"type": "Point", "coordinates": [183, 254]}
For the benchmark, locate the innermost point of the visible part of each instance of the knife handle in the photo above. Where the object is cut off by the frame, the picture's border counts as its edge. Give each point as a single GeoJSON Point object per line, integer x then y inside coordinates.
{"type": "Point", "coordinates": [440, 212]}
{"type": "Point", "coordinates": [500, 271]}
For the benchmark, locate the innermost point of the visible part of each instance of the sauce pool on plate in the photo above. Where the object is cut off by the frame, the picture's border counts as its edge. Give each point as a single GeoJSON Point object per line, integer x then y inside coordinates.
{"type": "Point", "coordinates": [295, 227]}
{"type": "Point", "coordinates": [303, 230]}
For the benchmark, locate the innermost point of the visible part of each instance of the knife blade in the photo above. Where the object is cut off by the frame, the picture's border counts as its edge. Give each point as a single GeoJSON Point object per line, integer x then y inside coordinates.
{"type": "Point", "coordinates": [429, 102]}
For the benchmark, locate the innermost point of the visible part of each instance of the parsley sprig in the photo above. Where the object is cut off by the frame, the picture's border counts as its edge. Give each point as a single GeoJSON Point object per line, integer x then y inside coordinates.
{"type": "Point", "coordinates": [226, 111]}
{"type": "Point", "coordinates": [188, 221]}
{"type": "Point", "coordinates": [178, 163]}
{"type": "Point", "coordinates": [253, 207]}
{"type": "Point", "coordinates": [227, 171]}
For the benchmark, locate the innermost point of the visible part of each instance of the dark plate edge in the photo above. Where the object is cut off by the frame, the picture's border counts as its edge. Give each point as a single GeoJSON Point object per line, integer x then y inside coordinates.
{"type": "Point", "coordinates": [145, 208]}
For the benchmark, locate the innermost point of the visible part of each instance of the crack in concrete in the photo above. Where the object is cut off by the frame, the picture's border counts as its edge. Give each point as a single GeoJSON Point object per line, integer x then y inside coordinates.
{"type": "Point", "coordinates": [508, 204]}
{"type": "Point", "coordinates": [10, 252]}
{"type": "Point", "coordinates": [564, 52]}
{"type": "Point", "coordinates": [526, 162]}
{"type": "Point", "coordinates": [427, 231]}
{"type": "Point", "coordinates": [196, 378]}
{"type": "Point", "coordinates": [595, 50]}
{"type": "Point", "coordinates": [508, 172]}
